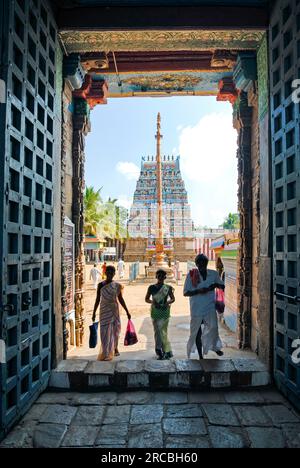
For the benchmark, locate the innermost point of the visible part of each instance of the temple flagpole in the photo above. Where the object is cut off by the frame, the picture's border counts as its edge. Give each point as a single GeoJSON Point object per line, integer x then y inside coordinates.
{"type": "Point", "coordinates": [160, 233]}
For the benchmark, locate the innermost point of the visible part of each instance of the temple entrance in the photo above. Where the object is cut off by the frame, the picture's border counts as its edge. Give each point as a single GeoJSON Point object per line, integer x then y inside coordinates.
{"type": "Point", "coordinates": [121, 74]}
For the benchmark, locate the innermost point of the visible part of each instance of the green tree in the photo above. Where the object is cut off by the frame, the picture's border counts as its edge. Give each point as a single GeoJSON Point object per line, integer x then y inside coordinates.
{"type": "Point", "coordinates": [232, 221]}
{"type": "Point", "coordinates": [103, 219]}
{"type": "Point", "coordinates": [122, 218]}
{"type": "Point", "coordinates": [108, 223]}
{"type": "Point", "coordinates": [92, 211]}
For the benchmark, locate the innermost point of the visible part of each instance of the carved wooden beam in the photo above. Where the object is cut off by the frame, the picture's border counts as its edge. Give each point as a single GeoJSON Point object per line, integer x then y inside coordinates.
{"type": "Point", "coordinates": [223, 59]}
{"type": "Point", "coordinates": [127, 62]}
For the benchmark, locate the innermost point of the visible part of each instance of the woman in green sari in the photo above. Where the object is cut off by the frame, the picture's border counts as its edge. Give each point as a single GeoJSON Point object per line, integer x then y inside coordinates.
{"type": "Point", "coordinates": [162, 298]}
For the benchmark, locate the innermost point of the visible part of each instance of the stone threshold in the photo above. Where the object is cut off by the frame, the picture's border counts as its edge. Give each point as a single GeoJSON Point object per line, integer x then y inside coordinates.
{"type": "Point", "coordinates": [88, 376]}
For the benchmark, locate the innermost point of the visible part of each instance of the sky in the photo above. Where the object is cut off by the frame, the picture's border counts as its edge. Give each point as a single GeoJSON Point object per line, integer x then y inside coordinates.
{"type": "Point", "coordinates": [199, 129]}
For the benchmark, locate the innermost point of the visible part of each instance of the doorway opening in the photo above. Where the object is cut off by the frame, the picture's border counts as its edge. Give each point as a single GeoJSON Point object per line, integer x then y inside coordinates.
{"type": "Point", "coordinates": [200, 170]}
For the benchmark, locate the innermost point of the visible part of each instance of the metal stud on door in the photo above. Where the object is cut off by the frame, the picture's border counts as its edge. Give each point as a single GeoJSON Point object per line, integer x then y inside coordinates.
{"type": "Point", "coordinates": [28, 68]}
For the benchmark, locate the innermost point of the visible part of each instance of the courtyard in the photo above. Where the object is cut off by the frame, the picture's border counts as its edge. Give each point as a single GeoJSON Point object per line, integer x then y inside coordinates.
{"type": "Point", "coordinates": [134, 294]}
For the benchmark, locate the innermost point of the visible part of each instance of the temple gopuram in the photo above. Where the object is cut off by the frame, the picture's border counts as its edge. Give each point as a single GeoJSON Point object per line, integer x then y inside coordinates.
{"type": "Point", "coordinates": [177, 221]}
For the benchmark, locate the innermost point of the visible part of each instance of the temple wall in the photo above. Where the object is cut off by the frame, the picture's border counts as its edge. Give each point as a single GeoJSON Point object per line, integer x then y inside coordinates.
{"type": "Point", "coordinates": [66, 194]}
{"type": "Point", "coordinates": [251, 119]}
{"type": "Point", "coordinates": [264, 318]}
{"type": "Point", "coordinates": [136, 250]}
{"type": "Point", "coordinates": [257, 325]}
{"type": "Point", "coordinates": [184, 249]}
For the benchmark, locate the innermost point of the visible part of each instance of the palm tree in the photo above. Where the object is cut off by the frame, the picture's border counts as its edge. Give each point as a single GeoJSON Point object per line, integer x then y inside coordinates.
{"type": "Point", "coordinates": [92, 212]}
{"type": "Point", "coordinates": [107, 225]}
{"type": "Point", "coordinates": [102, 219]}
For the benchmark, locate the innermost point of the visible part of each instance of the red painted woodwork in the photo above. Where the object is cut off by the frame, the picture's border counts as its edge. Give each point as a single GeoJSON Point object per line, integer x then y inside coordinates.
{"type": "Point", "coordinates": [94, 92]}
{"type": "Point", "coordinates": [227, 91]}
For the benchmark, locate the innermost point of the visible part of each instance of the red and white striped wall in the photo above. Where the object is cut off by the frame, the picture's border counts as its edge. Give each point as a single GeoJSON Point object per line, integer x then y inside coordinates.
{"type": "Point", "coordinates": [202, 246]}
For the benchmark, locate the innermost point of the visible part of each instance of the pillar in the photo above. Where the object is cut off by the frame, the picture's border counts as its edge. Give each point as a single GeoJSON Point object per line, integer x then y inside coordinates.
{"type": "Point", "coordinates": [81, 126]}
{"type": "Point", "coordinates": [73, 79]}
{"type": "Point", "coordinates": [245, 79]}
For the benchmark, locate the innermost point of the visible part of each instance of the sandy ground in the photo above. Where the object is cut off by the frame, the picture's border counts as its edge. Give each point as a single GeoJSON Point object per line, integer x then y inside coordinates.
{"type": "Point", "coordinates": [134, 295]}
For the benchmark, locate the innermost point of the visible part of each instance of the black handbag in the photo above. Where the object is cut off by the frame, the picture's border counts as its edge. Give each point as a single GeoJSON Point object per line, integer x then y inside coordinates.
{"type": "Point", "coordinates": [93, 335]}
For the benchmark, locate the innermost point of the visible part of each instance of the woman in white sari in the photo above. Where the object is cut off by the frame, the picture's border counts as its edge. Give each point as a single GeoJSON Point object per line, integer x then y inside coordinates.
{"type": "Point", "coordinates": [200, 287]}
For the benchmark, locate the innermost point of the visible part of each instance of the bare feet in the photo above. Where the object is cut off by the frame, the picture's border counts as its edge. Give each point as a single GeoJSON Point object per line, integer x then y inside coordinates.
{"type": "Point", "coordinates": [219, 353]}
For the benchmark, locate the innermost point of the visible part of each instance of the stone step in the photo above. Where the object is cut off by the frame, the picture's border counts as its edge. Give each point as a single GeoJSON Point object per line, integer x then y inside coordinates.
{"type": "Point", "coordinates": [86, 376]}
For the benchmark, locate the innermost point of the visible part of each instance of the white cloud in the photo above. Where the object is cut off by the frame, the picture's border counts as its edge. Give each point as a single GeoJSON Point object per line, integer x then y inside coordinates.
{"type": "Point", "coordinates": [209, 167]}
{"type": "Point", "coordinates": [125, 201]}
{"type": "Point", "coordinates": [130, 170]}
{"type": "Point", "coordinates": [208, 147]}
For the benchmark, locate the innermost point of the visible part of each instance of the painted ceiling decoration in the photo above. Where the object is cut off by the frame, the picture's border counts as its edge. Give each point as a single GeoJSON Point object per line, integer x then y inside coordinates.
{"type": "Point", "coordinates": [155, 40]}
{"type": "Point", "coordinates": [164, 83]}
{"type": "Point", "coordinates": [167, 82]}
{"type": "Point", "coordinates": [158, 62]}
{"type": "Point", "coordinates": [129, 62]}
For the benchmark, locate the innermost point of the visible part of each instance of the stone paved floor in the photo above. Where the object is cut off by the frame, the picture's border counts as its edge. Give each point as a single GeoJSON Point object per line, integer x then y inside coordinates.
{"type": "Point", "coordinates": [159, 420]}
{"type": "Point", "coordinates": [134, 295]}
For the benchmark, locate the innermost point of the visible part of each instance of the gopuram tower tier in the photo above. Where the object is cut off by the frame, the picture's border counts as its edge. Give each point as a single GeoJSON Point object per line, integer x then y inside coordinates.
{"type": "Point", "coordinates": [143, 221]}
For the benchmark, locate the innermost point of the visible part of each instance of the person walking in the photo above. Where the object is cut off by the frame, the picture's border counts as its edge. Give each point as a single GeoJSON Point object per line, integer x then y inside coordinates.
{"type": "Point", "coordinates": [104, 267]}
{"type": "Point", "coordinates": [200, 285]}
{"type": "Point", "coordinates": [95, 276]}
{"type": "Point", "coordinates": [121, 268]}
{"type": "Point", "coordinates": [109, 295]}
{"type": "Point", "coordinates": [162, 297]}
{"type": "Point", "coordinates": [220, 297]}
{"type": "Point", "coordinates": [220, 269]}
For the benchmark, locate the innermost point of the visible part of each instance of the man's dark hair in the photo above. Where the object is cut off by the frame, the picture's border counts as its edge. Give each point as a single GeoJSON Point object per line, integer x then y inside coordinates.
{"type": "Point", "coordinates": [201, 258]}
{"type": "Point", "coordinates": [111, 269]}
{"type": "Point", "coordinates": [161, 273]}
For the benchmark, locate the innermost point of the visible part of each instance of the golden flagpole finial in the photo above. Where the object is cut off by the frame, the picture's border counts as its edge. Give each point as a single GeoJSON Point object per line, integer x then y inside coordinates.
{"type": "Point", "coordinates": [158, 134]}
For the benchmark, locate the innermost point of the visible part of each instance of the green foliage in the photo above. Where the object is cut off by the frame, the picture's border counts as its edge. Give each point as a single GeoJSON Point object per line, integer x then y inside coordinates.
{"type": "Point", "coordinates": [103, 219]}
{"type": "Point", "coordinates": [232, 221]}
{"type": "Point", "coordinates": [92, 212]}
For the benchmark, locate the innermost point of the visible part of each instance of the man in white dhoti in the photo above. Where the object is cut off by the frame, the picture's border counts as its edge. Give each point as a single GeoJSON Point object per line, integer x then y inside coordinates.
{"type": "Point", "coordinates": [121, 268]}
{"type": "Point", "coordinates": [200, 285]}
{"type": "Point", "coordinates": [95, 276]}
